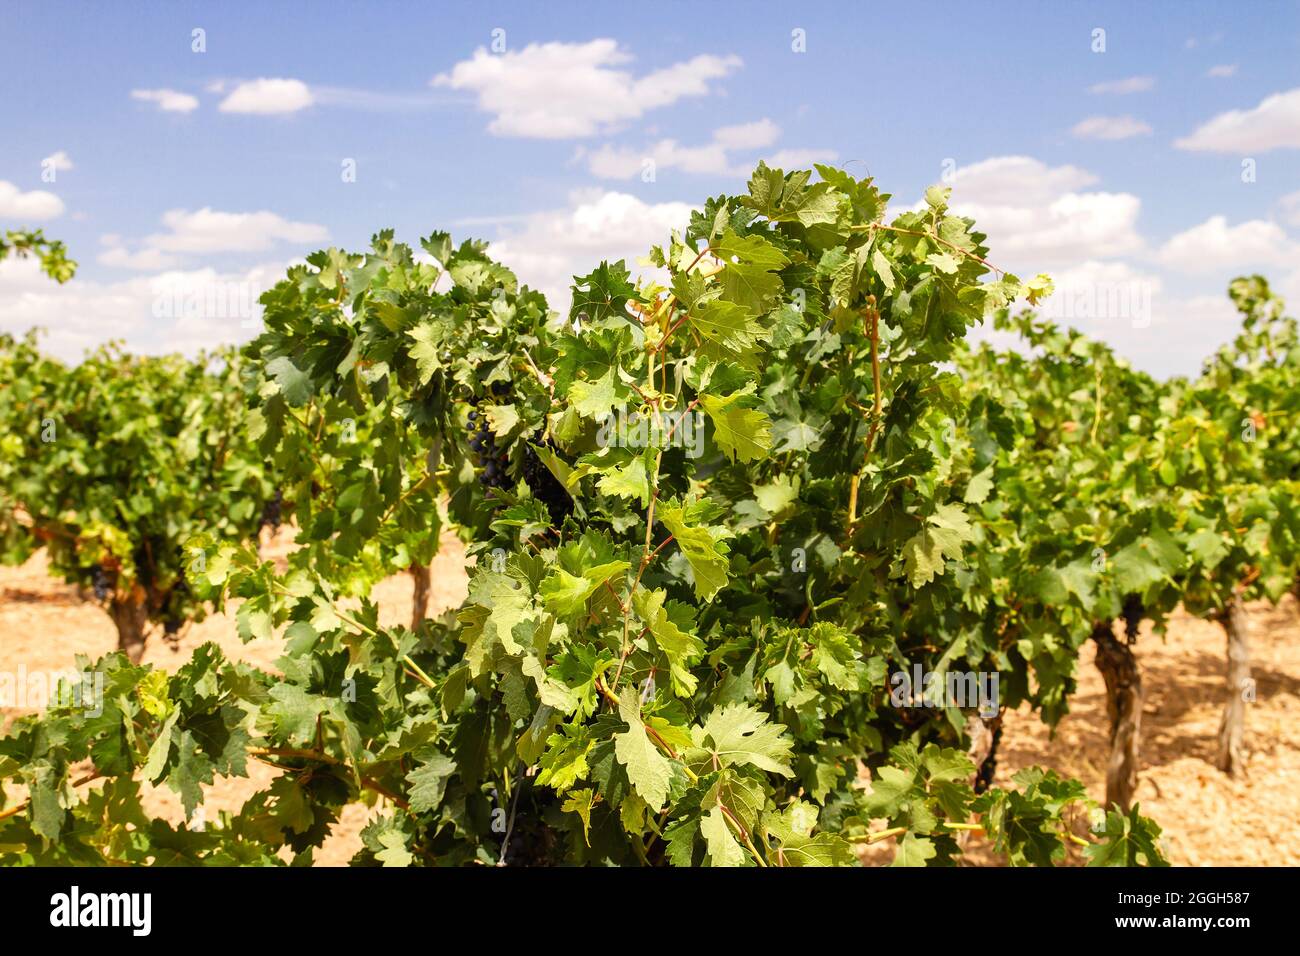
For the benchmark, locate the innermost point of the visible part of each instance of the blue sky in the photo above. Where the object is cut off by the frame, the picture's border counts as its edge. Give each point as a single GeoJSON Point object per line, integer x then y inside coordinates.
{"type": "Point", "coordinates": [1119, 171]}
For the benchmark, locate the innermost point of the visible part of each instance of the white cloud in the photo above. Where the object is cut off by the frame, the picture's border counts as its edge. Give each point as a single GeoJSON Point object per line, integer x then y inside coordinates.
{"type": "Point", "coordinates": [1214, 245]}
{"type": "Point", "coordinates": [1036, 215]}
{"type": "Point", "coordinates": [1289, 286]}
{"type": "Point", "coordinates": [171, 311]}
{"type": "Point", "coordinates": [1102, 298]}
{"type": "Point", "coordinates": [59, 162]}
{"type": "Point", "coordinates": [210, 230]}
{"type": "Point", "coordinates": [268, 96]}
{"type": "Point", "coordinates": [1185, 330]}
{"type": "Point", "coordinates": [207, 230]}
{"type": "Point", "coordinates": [754, 135]}
{"type": "Point", "coordinates": [1290, 204]}
{"type": "Point", "coordinates": [169, 101]}
{"type": "Point", "coordinates": [1131, 84]}
{"type": "Point", "coordinates": [621, 162]}
{"type": "Point", "coordinates": [548, 248]}
{"type": "Point", "coordinates": [1273, 124]}
{"type": "Point", "coordinates": [1144, 319]}
{"type": "Point", "coordinates": [565, 90]}
{"type": "Point", "coordinates": [1110, 300]}
{"type": "Point", "coordinates": [1110, 127]}
{"type": "Point", "coordinates": [1007, 180]}
{"type": "Point", "coordinates": [26, 207]}
{"type": "Point", "coordinates": [1070, 227]}
{"type": "Point", "coordinates": [1110, 282]}
{"type": "Point", "coordinates": [1222, 72]}
{"type": "Point", "coordinates": [788, 159]}
{"type": "Point", "coordinates": [148, 259]}
{"type": "Point", "coordinates": [624, 162]}
{"type": "Point", "coordinates": [714, 157]}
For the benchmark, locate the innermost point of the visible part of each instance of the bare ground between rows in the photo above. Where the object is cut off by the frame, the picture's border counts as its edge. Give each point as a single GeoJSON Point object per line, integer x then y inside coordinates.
{"type": "Point", "coordinates": [1207, 817]}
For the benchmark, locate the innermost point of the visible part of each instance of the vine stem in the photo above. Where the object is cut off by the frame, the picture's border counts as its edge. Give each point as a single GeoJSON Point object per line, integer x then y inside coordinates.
{"type": "Point", "coordinates": [315, 439]}
{"type": "Point", "coordinates": [416, 671]}
{"type": "Point", "coordinates": [298, 754]}
{"type": "Point", "coordinates": [922, 234]}
{"type": "Point", "coordinates": [651, 733]}
{"type": "Point", "coordinates": [418, 674]}
{"type": "Point", "coordinates": [19, 808]}
{"type": "Point", "coordinates": [647, 555]}
{"type": "Point", "coordinates": [871, 323]}
{"type": "Point", "coordinates": [1096, 412]}
{"type": "Point", "coordinates": [668, 302]}
{"type": "Point", "coordinates": [743, 834]}
{"type": "Point", "coordinates": [439, 473]}
{"type": "Point", "coordinates": [545, 380]}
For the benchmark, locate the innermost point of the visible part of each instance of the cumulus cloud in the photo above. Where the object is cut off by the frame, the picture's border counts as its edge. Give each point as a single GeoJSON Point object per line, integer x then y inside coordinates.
{"type": "Point", "coordinates": [1111, 300]}
{"type": "Point", "coordinates": [268, 96]}
{"type": "Point", "coordinates": [34, 206]}
{"type": "Point", "coordinates": [1222, 72]}
{"type": "Point", "coordinates": [144, 259]}
{"type": "Point", "coordinates": [1110, 127]}
{"type": "Point", "coordinates": [1163, 306]}
{"type": "Point", "coordinates": [1273, 124]}
{"type": "Point", "coordinates": [169, 101]}
{"type": "Point", "coordinates": [1290, 205]}
{"type": "Point", "coordinates": [788, 159]}
{"type": "Point", "coordinates": [714, 157]}
{"type": "Point", "coordinates": [1038, 215]}
{"type": "Point", "coordinates": [623, 162]}
{"type": "Point", "coordinates": [1131, 84]}
{"type": "Point", "coordinates": [208, 230]}
{"type": "Point", "coordinates": [548, 248]}
{"type": "Point", "coordinates": [1005, 180]}
{"type": "Point", "coordinates": [172, 311]}
{"type": "Point", "coordinates": [1214, 244]}
{"type": "Point", "coordinates": [1152, 323]}
{"type": "Point", "coordinates": [1184, 331]}
{"type": "Point", "coordinates": [566, 90]}
{"type": "Point", "coordinates": [754, 135]}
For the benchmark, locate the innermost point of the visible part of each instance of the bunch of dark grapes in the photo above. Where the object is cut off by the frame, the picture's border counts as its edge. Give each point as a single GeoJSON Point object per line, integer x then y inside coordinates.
{"type": "Point", "coordinates": [546, 488]}
{"type": "Point", "coordinates": [484, 445]}
{"type": "Point", "coordinates": [101, 582]}
{"type": "Point", "coordinates": [271, 512]}
{"type": "Point", "coordinates": [1133, 613]}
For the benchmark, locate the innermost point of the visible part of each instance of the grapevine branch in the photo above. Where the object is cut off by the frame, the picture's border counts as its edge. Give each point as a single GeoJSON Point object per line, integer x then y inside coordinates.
{"type": "Point", "coordinates": [871, 323]}
{"type": "Point", "coordinates": [651, 733]}
{"type": "Point", "coordinates": [20, 807]}
{"type": "Point", "coordinates": [933, 237]}
{"type": "Point", "coordinates": [647, 555]}
{"type": "Point", "coordinates": [297, 754]}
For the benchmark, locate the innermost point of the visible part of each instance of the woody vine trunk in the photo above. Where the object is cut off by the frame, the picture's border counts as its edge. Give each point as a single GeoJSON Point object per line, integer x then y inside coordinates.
{"type": "Point", "coordinates": [1232, 726]}
{"type": "Point", "coordinates": [420, 596]}
{"type": "Point", "coordinates": [129, 617]}
{"type": "Point", "coordinates": [1123, 680]}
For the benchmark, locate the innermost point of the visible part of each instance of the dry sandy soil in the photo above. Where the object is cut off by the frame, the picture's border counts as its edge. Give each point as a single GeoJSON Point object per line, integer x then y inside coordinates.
{"type": "Point", "coordinates": [1208, 818]}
